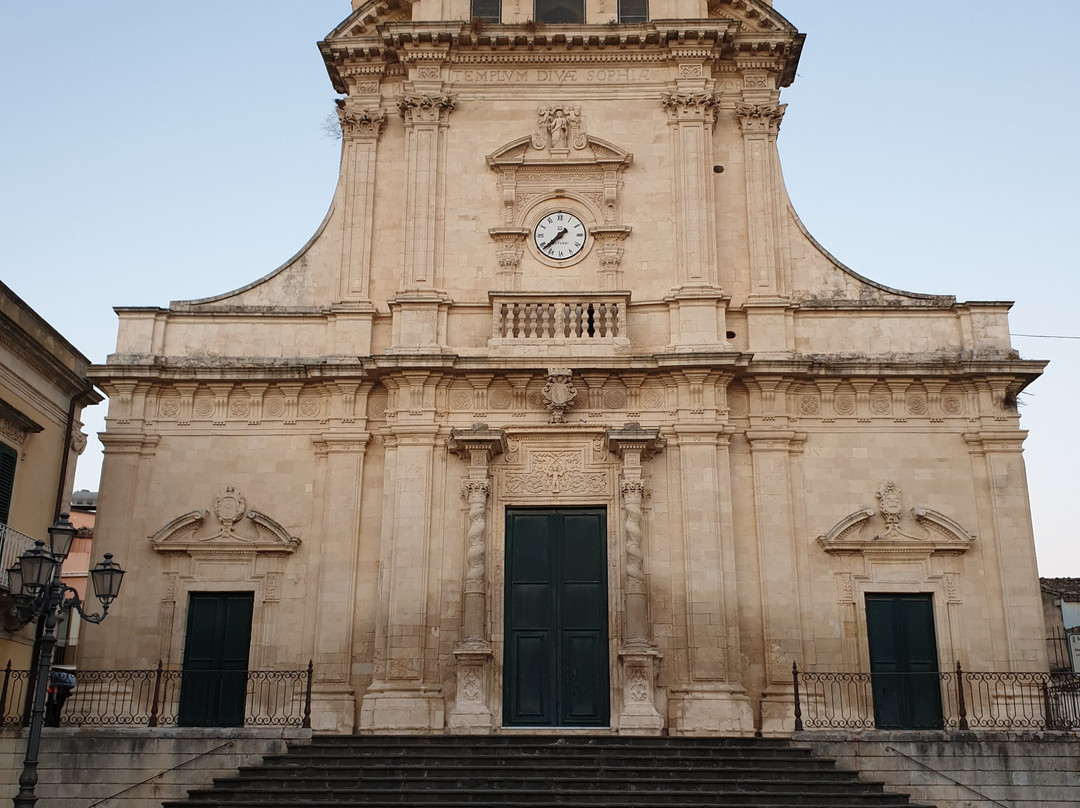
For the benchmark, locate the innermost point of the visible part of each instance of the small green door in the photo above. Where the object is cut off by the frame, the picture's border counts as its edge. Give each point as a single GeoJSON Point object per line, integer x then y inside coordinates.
{"type": "Point", "coordinates": [903, 661]}
{"type": "Point", "coordinates": [555, 669]}
{"type": "Point", "coordinates": [214, 685]}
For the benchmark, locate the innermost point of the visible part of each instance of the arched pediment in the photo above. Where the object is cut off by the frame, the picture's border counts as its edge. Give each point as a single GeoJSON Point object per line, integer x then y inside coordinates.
{"type": "Point", "coordinates": [889, 531]}
{"type": "Point", "coordinates": [230, 527]}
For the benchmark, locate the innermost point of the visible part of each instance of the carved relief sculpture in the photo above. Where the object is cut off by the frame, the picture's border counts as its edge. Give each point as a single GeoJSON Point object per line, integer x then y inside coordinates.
{"type": "Point", "coordinates": [558, 394]}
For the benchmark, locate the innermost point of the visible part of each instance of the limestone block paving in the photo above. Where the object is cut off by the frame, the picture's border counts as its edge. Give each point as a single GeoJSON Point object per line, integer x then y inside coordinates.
{"type": "Point", "coordinates": [544, 770]}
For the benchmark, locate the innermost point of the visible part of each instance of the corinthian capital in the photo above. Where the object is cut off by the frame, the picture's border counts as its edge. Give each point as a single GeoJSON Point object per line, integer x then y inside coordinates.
{"type": "Point", "coordinates": [760, 117]}
{"type": "Point", "coordinates": [360, 123]}
{"type": "Point", "coordinates": [425, 108]}
{"type": "Point", "coordinates": [691, 106]}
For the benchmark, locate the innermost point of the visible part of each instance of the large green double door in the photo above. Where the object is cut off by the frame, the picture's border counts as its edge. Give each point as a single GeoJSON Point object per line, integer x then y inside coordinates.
{"type": "Point", "coordinates": [555, 669]}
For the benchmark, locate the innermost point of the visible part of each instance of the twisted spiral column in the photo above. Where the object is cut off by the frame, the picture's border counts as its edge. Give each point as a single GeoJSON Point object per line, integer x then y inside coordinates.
{"type": "Point", "coordinates": [475, 492]}
{"type": "Point", "coordinates": [637, 628]}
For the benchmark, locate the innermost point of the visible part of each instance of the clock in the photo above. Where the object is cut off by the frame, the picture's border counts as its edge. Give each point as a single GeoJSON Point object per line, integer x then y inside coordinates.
{"type": "Point", "coordinates": [560, 235]}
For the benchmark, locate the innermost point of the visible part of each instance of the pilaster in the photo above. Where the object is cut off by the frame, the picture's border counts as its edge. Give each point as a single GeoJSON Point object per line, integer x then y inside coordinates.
{"type": "Point", "coordinates": [712, 699]}
{"type": "Point", "coordinates": [697, 307]}
{"type": "Point", "coordinates": [404, 695]}
{"type": "Point", "coordinates": [774, 504]}
{"type": "Point", "coordinates": [419, 308]}
{"type": "Point", "coordinates": [362, 121]}
{"type": "Point", "coordinates": [342, 467]}
{"type": "Point", "coordinates": [1007, 540]}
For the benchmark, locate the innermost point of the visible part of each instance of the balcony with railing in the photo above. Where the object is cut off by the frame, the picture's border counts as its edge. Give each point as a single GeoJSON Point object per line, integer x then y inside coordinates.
{"type": "Point", "coordinates": [581, 323]}
{"type": "Point", "coordinates": [12, 545]}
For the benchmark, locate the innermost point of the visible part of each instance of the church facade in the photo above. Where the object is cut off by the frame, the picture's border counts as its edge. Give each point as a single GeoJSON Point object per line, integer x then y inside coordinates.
{"type": "Point", "coordinates": [562, 419]}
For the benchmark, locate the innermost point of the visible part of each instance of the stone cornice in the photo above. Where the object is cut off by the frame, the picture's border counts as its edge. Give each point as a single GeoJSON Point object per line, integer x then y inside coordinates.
{"type": "Point", "coordinates": [774, 46]}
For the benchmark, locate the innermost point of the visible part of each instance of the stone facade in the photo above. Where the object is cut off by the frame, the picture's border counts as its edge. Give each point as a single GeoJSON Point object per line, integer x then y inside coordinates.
{"type": "Point", "coordinates": [770, 435]}
{"type": "Point", "coordinates": [43, 389]}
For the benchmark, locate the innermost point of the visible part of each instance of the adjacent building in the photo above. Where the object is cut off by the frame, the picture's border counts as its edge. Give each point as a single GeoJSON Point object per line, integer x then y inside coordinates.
{"type": "Point", "coordinates": [562, 418]}
{"type": "Point", "coordinates": [43, 388]}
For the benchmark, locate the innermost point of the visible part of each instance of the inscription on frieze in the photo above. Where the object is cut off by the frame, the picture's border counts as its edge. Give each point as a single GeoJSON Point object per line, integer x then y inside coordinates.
{"type": "Point", "coordinates": [629, 75]}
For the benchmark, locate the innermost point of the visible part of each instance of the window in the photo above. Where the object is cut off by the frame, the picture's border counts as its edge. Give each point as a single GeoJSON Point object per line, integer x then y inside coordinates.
{"type": "Point", "coordinates": [633, 11]}
{"type": "Point", "coordinates": [8, 456]}
{"type": "Point", "coordinates": [487, 10]}
{"type": "Point", "coordinates": [560, 11]}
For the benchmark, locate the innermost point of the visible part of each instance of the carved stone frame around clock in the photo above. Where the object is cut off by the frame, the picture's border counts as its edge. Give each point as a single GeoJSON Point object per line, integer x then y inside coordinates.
{"type": "Point", "coordinates": [586, 181]}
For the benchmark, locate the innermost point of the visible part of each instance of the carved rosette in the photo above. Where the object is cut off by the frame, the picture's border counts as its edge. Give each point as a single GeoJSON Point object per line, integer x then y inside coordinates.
{"type": "Point", "coordinates": [475, 492]}
{"type": "Point", "coordinates": [634, 494]}
{"type": "Point", "coordinates": [691, 106]}
{"type": "Point", "coordinates": [416, 109]}
{"type": "Point", "coordinates": [364, 124]}
{"type": "Point", "coordinates": [760, 118]}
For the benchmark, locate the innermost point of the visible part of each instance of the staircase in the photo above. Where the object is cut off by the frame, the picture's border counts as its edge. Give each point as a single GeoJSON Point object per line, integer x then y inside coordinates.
{"type": "Point", "coordinates": [543, 770]}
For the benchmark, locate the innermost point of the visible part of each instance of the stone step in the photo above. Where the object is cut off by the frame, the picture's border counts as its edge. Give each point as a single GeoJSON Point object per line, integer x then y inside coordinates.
{"type": "Point", "coordinates": [532, 771]}
{"type": "Point", "coordinates": [567, 782]}
{"type": "Point", "coordinates": [292, 773]}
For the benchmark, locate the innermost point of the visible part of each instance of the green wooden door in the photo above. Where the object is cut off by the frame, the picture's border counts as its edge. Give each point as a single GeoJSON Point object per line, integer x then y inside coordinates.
{"type": "Point", "coordinates": [555, 668]}
{"type": "Point", "coordinates": [903, 661]}
{"type": "Point", "coordinates": [214, 685]}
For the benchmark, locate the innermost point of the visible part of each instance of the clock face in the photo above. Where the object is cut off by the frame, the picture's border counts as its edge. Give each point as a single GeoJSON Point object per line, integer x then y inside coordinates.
{"type": "Point", "coordinates": [560, 235]}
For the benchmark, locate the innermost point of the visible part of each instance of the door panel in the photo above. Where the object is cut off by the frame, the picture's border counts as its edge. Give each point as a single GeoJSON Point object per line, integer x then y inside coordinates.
{"type": "Point", "coordinates": [556, 662]}
{"type": "Point", "coordinates": [903, 661]}
{"type": "Point", "coordinates": [214, 685]}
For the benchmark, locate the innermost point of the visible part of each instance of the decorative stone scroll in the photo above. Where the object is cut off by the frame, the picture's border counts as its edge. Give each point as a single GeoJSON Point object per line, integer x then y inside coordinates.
{"type": "Point", "coordinates": [886, 531]}
{"type": "Point", "coordinates": [229, 528]}
{"type": "Point", "coordinates": [16, 427]}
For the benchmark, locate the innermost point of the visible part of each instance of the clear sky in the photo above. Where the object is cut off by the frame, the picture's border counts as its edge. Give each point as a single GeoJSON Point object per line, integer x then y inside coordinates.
{"type": "Point", "coordinates": [156, 151]}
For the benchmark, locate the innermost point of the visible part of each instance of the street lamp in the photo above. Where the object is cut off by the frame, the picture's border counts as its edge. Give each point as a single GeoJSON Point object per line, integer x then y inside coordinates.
{"type": "Point", "coordinates": [39, 593]}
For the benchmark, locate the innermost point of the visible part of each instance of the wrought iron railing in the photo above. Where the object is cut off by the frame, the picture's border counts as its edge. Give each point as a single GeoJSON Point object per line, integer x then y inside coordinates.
{"type": "Point", "coordinates": [12, 545]}
{"type": "Point", "coordinates": [155, 698]}
{"type": "Point", "coordinates": [957, 699]}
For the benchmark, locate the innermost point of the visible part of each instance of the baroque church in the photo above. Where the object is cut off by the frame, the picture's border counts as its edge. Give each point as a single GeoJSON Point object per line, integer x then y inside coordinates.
{"type": "Point", "coordinates": [562, 419]}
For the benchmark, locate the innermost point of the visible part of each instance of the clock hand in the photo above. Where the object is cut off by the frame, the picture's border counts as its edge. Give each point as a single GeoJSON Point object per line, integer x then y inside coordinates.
{"type": "Point", "coordinates": [558, 236]}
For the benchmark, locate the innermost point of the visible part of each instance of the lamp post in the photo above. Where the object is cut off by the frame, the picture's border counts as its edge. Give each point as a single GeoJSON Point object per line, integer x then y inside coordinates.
{"type": "Point", "coordinates": [39, 594]}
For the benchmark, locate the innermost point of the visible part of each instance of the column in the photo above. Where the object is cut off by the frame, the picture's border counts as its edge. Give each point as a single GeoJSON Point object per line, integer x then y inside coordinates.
{"type": "Point", "coordinates": [639, 658]}
{"type": "Point", "coordinates": [781, 604]}
{"type": "Point", "coordinates": [472, 709]}
{"type": "Point", "coordinates": [341, 471]}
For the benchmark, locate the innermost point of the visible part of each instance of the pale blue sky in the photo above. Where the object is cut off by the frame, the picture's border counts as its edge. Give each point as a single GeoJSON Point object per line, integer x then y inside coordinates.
{"type": "Point", "coordinates": [156, 151]}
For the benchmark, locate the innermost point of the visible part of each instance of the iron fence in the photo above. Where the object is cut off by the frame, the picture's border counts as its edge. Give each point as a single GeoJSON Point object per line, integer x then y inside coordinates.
{"type": "Point", "coordinates": [958, 699]}
{"type": "Point", "coordinates": [155, 698]}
